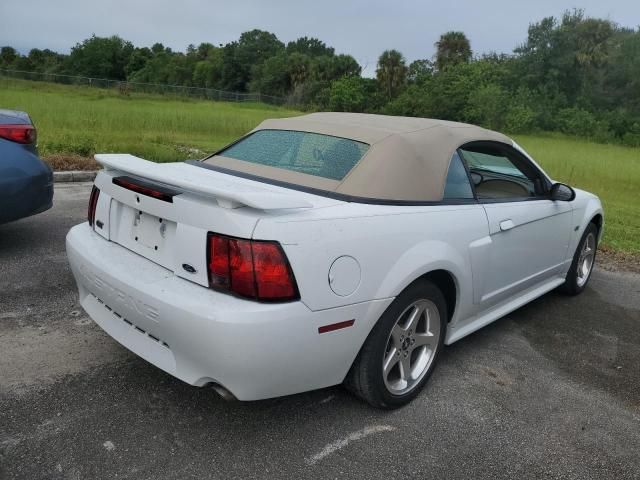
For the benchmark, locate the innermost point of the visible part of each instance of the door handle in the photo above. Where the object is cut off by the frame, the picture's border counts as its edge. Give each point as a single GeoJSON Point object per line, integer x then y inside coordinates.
{"type": "Point", "coordinates": [506, 225]}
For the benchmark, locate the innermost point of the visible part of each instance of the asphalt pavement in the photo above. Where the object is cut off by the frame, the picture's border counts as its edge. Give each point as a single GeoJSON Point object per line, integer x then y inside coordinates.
{"type": "Point", "coordinates": [550, 391]}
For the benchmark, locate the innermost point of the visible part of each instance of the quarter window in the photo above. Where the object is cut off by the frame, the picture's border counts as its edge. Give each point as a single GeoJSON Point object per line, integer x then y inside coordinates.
{"type": "Point", "coordinates": [457, 184]}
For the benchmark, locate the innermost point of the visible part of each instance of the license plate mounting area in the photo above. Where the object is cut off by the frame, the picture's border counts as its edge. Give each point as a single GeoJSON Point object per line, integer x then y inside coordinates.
{"type": "Point", "coordinates": [149, 230]}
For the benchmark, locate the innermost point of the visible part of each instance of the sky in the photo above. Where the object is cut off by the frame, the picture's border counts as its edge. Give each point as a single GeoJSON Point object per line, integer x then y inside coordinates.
{"type": "Point", "coordinates": [363, 29]}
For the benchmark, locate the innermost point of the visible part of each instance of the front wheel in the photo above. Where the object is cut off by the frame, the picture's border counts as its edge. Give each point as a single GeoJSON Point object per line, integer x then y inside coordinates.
{"type": "Point", "coordinates": [583, 262]}
{"type": "Point", "coordinates": [400, 353]}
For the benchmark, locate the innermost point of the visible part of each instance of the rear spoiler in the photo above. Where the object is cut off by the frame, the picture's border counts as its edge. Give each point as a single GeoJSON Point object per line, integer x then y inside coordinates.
{"type": "Point", "coordinates": [229, 191]}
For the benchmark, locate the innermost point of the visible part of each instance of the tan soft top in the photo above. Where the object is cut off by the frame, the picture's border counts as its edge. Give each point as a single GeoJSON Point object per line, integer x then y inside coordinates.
{"type": "Point", "coordinates": [407, 160]}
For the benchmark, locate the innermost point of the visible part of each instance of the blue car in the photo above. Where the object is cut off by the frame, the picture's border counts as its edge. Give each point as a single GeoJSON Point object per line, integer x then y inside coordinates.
{"type": "Point", "coordinates": [26, 182]}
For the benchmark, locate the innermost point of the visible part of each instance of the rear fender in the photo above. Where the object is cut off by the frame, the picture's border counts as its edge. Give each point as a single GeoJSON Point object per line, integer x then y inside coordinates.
{"type": "Point", "coordinates": [423, 258]}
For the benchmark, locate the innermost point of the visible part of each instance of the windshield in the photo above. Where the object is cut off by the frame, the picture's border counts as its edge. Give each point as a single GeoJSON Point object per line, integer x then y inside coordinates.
{"type": "Point", "coordinates": [310, 153]}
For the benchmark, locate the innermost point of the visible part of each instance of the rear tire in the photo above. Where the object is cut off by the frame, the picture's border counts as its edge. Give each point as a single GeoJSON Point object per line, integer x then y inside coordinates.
{"type": "Point", "coordinates": [402, 349]}
{"type": "Point", "coordinates": [584, 259]}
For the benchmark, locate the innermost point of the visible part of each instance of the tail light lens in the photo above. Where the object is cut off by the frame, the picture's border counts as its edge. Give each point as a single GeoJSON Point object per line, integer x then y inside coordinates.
{"type": "Point", "coordinates": [253, 269]}
{"type": "Point", "coordinates": [25, 134]}
{"type": "Point", "coordinates": [93, 201]}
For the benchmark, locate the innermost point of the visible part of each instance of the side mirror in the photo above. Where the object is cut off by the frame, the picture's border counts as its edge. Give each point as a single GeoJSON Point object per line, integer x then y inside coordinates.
{"type": "Point", "coordinates": [562, 192]}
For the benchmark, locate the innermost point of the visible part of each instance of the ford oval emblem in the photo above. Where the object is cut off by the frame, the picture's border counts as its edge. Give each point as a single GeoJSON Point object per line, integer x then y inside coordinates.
{"type": "Point", "coordinates": [189, 268]}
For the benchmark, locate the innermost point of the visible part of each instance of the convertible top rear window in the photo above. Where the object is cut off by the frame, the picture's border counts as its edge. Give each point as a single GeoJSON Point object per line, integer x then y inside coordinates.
{"type": "Point", "coordinates": [304, 152]}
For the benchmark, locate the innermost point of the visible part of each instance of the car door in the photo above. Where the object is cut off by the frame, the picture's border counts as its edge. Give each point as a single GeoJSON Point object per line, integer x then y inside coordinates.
{"type": "Point", "coordinates": [529, 233]}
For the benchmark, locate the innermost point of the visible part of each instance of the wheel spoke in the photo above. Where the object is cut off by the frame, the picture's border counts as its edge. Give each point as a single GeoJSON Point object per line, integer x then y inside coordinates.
{"type": "Point", "coordinates": [423, 339]}
{"type": "Point", "coordinates": [390, 361]}
{"type": "Point", "coordinates": [397, 335]}
{"type": "Point", "coordinates": [415, 317]}
{"type": "Point", "coordinates": [405, 368]}
{"type": "Point", "coordinates": [433, 326]}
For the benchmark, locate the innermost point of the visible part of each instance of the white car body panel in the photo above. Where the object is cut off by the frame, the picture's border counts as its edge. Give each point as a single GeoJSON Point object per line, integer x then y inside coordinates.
{"type": "Point", "coordinates": [394, 245]}
{"type": "Point", "coordinates": [512, 267]}
{"type": "Point", "coordinates": [350, 261]}
{"type": "Point", "coordinates": [253, 349]}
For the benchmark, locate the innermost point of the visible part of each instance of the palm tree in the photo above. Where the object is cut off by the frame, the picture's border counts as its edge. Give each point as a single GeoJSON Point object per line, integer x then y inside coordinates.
{"type": "Point", "coordinates": [452, 48]}
{"type": "Point", "coordinates": [391, 72]}
{"type": "Point", "coordinates": [594, 41]}
{"type": "Point", "coordinates": [299, 66]}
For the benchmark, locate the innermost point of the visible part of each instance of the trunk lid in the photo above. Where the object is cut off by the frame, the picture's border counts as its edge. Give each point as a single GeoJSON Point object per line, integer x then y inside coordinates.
{"type": "Point", "coordinates": [14, 117]}
{"type": "Point", "coordinates": [171, 230]}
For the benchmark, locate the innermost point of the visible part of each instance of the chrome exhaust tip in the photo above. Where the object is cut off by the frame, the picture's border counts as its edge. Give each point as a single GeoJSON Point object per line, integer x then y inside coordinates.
{"type": "Point", "coordinates": [224, 393]}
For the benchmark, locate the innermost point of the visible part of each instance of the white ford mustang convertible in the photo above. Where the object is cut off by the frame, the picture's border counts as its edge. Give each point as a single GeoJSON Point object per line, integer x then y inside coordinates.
{"type": "Point", "coordinates": [326, 248]}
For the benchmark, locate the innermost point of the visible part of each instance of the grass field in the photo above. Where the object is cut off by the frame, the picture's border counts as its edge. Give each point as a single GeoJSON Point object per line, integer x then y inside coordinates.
{"type": "Point", "coordinates": [82, 121]}
{"type": "Point", "coordinates": [612, 172]}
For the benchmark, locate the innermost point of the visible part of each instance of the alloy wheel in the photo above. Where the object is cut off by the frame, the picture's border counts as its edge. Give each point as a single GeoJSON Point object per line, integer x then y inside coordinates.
{"type": "Point", "coordinates": [411, 347]}
{"type": "Point", "coordinates": [585, 260]}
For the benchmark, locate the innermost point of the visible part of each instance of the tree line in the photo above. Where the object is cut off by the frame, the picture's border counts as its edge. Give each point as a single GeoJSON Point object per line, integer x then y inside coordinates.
{"type": "Point", "coordinates": [573, 74]}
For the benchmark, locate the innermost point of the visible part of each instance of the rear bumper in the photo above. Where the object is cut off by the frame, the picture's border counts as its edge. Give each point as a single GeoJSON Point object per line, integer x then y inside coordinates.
{"type": "Point", "coordinates": [30, 201]}
{"type": "Point", "coordinates": [25, 191]}
{"type": "Point", "coordinates": [200, 336]}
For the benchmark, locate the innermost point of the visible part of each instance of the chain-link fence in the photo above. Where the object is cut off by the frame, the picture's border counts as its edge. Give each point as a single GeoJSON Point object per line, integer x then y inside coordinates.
{"type": "Point", "coordinates": [126, 88]}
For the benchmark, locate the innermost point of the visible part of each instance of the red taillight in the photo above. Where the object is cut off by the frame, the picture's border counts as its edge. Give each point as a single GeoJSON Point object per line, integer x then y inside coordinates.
{"type": "Point", "coordinates": [24, 134]}
{"type": "Point", "coordinates": [273, 275]}
{"type": "Point", "coordinates": [219, 262]}
{"type": "Point", "coordinates": [93, 201]}
{"type": "Point", "coordinates": [250, 268]}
